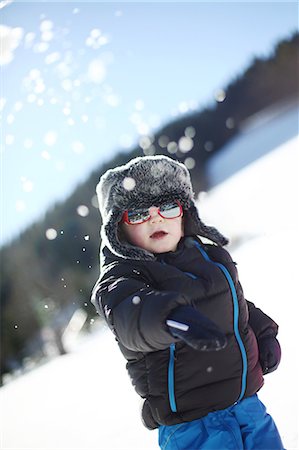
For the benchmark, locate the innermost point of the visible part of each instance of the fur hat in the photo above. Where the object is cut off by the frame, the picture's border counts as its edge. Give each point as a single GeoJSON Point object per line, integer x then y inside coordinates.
{"type": "Point", "coordinates": [143, 182]}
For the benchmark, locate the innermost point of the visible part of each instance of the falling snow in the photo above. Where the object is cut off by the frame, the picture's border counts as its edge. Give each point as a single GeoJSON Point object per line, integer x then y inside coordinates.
{"type": "Point", "coordinates": [129, 183]}
{"type": "Point", "coordinates": [51, 234]}
{"type": "Point", "coordinates": [172, 147]}
{"type": "Point", "coordinates": [50, 138]}
{"type": "Point", "coordinates": [83, 210]}
{"type": "Point", "coordinates": [78, 147]}
{"type": "Point", "coordinates": [78, 89]}
{"type": "Point", "coordinates": [10, 41]}
{"type": "Point", "coordinates": [220, 95]}
{"type": "Point", "coordinates": [190, 132]}
{"type": "Point", "coordinates": [190, 163]}
{"type": "Point", "coordinates": [185, 144]}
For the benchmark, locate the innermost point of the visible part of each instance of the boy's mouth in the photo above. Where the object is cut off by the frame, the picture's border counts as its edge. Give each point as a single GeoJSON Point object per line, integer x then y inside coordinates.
{"type": "Point", "coordinates": [158, 235]}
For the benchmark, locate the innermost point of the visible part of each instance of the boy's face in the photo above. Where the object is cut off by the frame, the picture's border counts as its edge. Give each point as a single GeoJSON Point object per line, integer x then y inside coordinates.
{"type": "Point", "coordinates": [157, 235]}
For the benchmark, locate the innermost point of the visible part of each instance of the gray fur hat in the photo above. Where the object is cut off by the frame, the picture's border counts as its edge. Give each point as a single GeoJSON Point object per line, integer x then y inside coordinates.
{"type": "Point", "coordinates": [143, 182]}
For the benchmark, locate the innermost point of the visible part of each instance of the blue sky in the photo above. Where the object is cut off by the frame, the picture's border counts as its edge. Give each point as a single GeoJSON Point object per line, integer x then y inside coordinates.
{"type": "Point", "coordinates": [82, 81]}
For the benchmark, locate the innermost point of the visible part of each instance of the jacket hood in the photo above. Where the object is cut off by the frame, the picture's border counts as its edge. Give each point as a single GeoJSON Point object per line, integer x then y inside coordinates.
{"type": "Point", "coordinates": [142, 182]}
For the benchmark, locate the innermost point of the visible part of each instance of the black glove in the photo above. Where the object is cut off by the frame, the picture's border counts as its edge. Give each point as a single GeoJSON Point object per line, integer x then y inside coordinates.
{"type": "Point", "coordinates": [195, 329]}
{"type": "Point", "coordinates": [269, 353]}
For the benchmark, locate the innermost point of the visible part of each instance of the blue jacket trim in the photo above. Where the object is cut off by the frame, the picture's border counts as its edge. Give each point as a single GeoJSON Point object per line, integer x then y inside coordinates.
{"type": "Point", "coordinates": [172, 401]}
{"type": "Point", "coordinates": [236, 317]}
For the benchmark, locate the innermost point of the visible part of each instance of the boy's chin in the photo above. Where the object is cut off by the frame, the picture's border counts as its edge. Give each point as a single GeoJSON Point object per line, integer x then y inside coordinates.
{"type": "Point", "coordinates": [164, 249]}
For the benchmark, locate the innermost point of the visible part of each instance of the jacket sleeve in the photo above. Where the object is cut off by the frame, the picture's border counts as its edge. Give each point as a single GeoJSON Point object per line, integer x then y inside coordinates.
{"type": "Point", "coordinates": [135, 312]}
{"type": "Point", "coordinates": [261, 324]}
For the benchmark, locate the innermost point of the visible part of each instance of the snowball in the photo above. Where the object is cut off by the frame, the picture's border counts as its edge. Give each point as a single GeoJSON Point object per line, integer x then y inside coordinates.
{"type": "Point", "coordinates": [52, 58]}
{"type": "Point", "coordinates": [67, 85]}
{"type": "Point", "coordinates": [10, 40]}
{"type": "Point", "coordinates": [129, 183]}
{"type": "Point", "coordinates": [41, 47]}
{"type": "Point", "coordinates": [47, 36]}
{"type": "Point", "coordinates": [45, 155]}
{"type": "Point", "coordinates": [51, 234]}
{"type": "Point", "coordinates": [185, 144]}
{"type": "Point", "coordinates": [95, 33]}
{"type": "Point", "coordinates": [136, 300]}
{"type": "Point", "coordinates": [172, 147]}
{"type": "Point", "coordinates": [50, 138]}
{"type": "Point", "coordinates": [209, 146]}
{"type": "Point", "coordinates": [83, 210]}
{"type": "Point", "coordinates": [145, 142]}
{"type": "Point", "coordinates": [27, 186]}
{"type": "Point", "coordinates": [183, 107]}
{"type": "Point", "coordinates": [46, 25]}
{"type": "Point", "coordinates": [189, 163]}
{"type": "Point", "coordinates": [220, 95]}
{"type": "Point", "coordinates": [229, 123]}
{"type": "Point", "coordinates": [190, 132]}
{"type": "Point", "coordinates": [163, 141]}
{"type": "Point", "coordinates": [94, 201]}
{"type": "Point", "coordinates": [29, 38]}
{"type": "Point", "coordinates": [78, 147]}
{"type": "Point", "coordinates": [96, 71]}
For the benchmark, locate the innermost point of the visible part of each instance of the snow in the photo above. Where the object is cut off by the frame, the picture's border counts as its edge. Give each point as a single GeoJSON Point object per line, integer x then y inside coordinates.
{"type": "Point", "coordinates": [260, 134]}
{"type": "Point", "coordinates": [80, 401]}
{"type": "Point", "coordinates": [85, 401]}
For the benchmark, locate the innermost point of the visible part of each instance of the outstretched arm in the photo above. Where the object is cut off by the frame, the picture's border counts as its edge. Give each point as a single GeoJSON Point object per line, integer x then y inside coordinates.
{"type": "Point", "coordinates": [135, 312]}
{"type": "Point", "coordinates": [145, 319]}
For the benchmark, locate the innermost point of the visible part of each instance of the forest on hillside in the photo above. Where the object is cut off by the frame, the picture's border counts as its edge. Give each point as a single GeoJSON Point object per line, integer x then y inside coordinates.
{"type": "Point", "coordinates": [44, 281]}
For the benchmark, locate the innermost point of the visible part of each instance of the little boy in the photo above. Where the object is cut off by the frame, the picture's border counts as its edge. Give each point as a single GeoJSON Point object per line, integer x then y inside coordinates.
{"type": "Point", "coordinates": [196, 350]}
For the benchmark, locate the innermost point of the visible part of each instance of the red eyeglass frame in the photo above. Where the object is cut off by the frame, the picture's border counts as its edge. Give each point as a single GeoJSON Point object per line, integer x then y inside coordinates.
{"type": "Point", "coordinates": [125, 217]}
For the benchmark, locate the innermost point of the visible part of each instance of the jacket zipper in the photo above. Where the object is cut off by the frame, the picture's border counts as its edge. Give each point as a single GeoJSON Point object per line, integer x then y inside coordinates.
{"type": "Point", "coordinates": [171, 386]}
{"type": "Point", "coordinates": [236, 317]}
{"type": "Point", "coordinates": [171, 395]}
{"type": "Point", "coordinates": [171, 362]}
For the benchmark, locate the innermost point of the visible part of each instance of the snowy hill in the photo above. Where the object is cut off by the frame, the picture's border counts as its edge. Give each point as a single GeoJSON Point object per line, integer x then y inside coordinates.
{"type": "Point", "coordinates": [259, 135]}
{"type": "Point", "coordinates": [84, 400]}
{"type": "Point", "coordinates": [257, 208]}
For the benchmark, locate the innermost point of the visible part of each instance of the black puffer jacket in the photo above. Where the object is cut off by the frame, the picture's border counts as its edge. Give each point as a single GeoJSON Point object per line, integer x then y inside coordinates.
{"type": "Point", "coordinates": [178, 383]}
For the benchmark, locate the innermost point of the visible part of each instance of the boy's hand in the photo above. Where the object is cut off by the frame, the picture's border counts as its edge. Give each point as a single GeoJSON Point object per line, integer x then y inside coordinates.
{"type": "Point", "coordinates": [186, 323]}
{"type": "Point", "coordinates": [269, 354]}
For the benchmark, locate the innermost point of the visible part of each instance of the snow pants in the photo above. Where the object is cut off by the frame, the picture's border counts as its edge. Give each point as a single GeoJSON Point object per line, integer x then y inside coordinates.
{"type": "Point", "coordinates": [245, 425]}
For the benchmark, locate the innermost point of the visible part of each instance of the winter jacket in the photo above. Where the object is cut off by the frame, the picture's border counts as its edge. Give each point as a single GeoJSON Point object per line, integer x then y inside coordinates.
{"type": "Point", "coordinates": [178, 383]}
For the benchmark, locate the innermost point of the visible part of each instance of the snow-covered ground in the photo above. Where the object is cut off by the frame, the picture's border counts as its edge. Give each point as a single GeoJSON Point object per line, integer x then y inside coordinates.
{"type": "Point", "coordinates": [80, 401]}
{"type": "Point", "coordinates": [84, 400]}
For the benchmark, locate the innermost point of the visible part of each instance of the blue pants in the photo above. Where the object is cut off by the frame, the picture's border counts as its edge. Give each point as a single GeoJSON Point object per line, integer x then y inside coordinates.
{"type": "Point", "coordinates": [245, 425]}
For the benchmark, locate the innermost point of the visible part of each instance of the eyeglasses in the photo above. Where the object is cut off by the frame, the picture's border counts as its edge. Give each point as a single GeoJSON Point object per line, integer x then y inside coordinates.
{"type": "Point", "coordinates": [169, 210]}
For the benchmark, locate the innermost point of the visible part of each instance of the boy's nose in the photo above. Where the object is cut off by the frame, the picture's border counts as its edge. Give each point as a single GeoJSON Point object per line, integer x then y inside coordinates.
{"type": "Point", "coordinates": [154, 213]}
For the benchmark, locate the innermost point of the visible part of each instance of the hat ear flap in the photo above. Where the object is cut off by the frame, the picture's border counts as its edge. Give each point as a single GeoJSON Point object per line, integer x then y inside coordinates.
{"type": "Point", "coordinates": [194, 226]}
